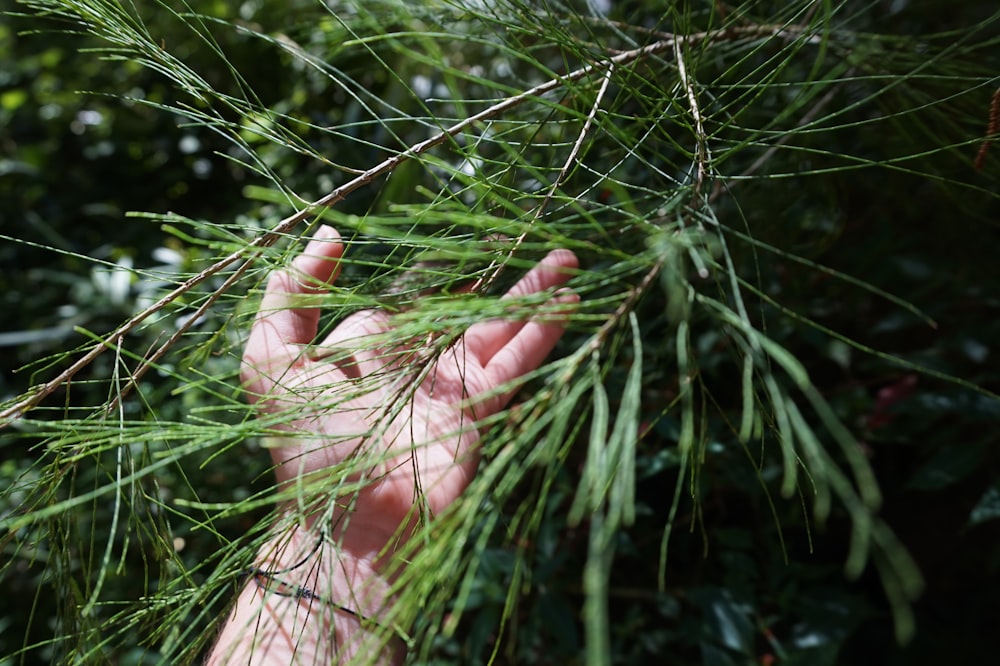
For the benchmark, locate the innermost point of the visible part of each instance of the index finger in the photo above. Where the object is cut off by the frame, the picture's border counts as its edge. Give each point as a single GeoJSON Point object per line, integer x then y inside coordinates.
{"type": "Point", "coordinates": [486, 338]}
{"type": "Point", "coordinates": [281, 327]}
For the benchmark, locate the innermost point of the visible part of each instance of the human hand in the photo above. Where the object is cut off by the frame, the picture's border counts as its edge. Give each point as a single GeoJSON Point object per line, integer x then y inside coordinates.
{"type": "Point", "coordinates": [364, 392]}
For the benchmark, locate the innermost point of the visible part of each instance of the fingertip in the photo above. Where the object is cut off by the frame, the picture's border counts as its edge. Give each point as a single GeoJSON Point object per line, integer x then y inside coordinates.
{"type": "Point", "coordinates": [325, 243]}
{"type": "Point", "coordinates": [563, 258]}
{"type": "Point", "coordinates": [326, 231]}
{"type": "Point", "coordinates": [558, 266]}
{"type": "Point", "coordinates": [319, 264]}
{"type": "Point", "coordinates": [562, 304]}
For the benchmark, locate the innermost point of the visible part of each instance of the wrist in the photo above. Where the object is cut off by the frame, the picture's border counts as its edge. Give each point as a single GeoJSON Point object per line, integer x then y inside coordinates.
{"type": "Point", "coordinates": [315, 566]}
{"type": "Point", "coordinates": [308, 601]}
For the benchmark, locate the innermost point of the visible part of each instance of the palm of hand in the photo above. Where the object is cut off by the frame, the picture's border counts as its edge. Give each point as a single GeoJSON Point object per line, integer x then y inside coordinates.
{"type": "Point", "coordinates": [372, 395]}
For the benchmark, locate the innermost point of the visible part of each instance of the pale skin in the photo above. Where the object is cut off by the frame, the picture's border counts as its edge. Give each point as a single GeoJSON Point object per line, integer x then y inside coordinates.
{"type": "Point", "coordinates": [363, 391]}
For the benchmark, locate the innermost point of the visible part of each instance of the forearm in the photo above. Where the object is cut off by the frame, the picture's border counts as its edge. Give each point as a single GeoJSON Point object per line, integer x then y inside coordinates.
{"type": "Point", "coordinates": [308, 602]}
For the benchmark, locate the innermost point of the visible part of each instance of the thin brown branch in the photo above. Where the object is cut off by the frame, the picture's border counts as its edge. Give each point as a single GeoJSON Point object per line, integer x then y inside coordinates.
{"type": "Point", "coordinates": [150, 360]}
{"type": "Point", "coordinates": [701, 139]}
{"type": "Point", "coordinates": [496, 266]}
{"type": "Point", "coordinates": [252, 250]}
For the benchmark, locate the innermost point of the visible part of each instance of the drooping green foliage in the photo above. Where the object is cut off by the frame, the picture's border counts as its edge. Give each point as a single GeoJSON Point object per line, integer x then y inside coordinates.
{"type": "Point", "coordinates": [780, 371]}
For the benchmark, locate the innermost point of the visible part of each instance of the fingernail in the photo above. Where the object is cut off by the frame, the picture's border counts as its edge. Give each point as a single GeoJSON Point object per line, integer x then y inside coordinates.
{"type": "Point", "coordinates": [325, 232]}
